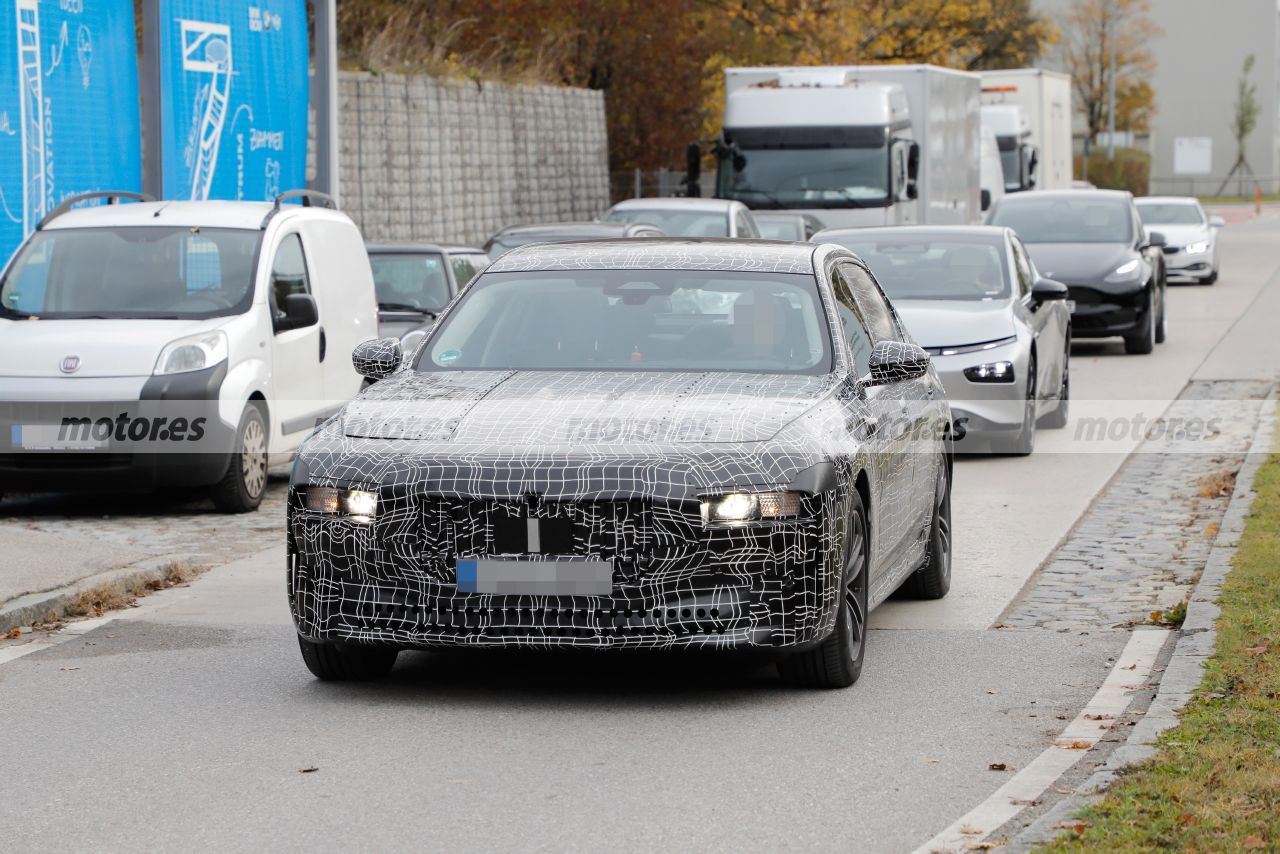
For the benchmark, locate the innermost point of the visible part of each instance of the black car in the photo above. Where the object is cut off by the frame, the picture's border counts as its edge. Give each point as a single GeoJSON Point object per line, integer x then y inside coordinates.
{"type": "Point", "coordinates": [1093, 242]}
{"type": "Point", "coordinates": [710, 444]}
{"type": "Point", "coordinates": [515, 236]}
{"type": "Point", "coordinates": [415, 281]}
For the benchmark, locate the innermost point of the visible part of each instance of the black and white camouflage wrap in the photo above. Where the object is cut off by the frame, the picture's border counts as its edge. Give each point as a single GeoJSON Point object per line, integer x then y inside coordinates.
{"type": "Point", "coordinates": [624, 456]}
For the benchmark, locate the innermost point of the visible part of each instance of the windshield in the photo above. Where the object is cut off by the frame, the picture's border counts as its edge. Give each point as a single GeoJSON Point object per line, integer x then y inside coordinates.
{"type": "Point", "coordinates": [410, 280]}
{"type": "Point", "coordinates": [132, 272]}
{"type": "Point", "coordinates": [808, 177]}
{"type": "Point", "coordinates": [677, 222]}
{"type": "Point", "coordinates": [1170, 213]}
{"type": "Point", "coordinates": [781, 229]}
{"type": "Point", "coordinates": [1066, 220]}
{"type": "Point", "coordinates": [928, 267]}
{"type": "Point", "coordinates": [634, 320]}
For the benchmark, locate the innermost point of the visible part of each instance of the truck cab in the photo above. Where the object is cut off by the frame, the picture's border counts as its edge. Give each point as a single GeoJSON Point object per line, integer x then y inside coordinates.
{"type": "Point", "coordinates": [821, 142]}
{"type": "Point", "coordinates": [1019, 158]}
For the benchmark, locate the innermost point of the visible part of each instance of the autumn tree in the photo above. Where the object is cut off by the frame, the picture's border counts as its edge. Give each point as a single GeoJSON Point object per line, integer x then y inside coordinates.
{"type": "Point", "coordinates": [1092, 28]}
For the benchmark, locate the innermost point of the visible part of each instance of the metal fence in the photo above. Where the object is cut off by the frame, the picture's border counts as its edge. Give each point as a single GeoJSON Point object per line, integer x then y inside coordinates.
{"type": "Point", "coordinates": [1243, 186]}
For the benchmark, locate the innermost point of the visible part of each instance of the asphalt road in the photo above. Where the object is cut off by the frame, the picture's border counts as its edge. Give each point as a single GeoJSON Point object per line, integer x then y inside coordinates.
{"type": "Point", "coordinates": [188, 723]}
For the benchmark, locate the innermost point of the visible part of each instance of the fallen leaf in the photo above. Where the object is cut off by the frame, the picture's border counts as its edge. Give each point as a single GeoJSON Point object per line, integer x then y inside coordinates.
{"type": "Point", "coordinates": [70, 668]}
{"type": "Point", "coordinates": [14, 633]}
{"type": "Point", "coordinates": [999, 626]}
{"type": "Point", "coordinates": [1255, 651]}
{"type": "Point", "coordinates": [1254, 842]}
{"type": "Point", "coordinates": [998, 766]}
{"type": "Point", "coordinates": [1133, 666]}
{"type": "Point", "coordinates": [933, 761]}
{"type": "Point", "coordinates": [984, 845]}
{"type": "Point", "coordinates": [309, 769]}
{"type": "Point", "coordinates": [989, 691]}
{"type": "Point", "coordinates": [1061, 717]}
{"type": "Point", "coordinates": [970, 830]}
{"type": "Point", "coordinates": [1075, 745]}
{"type": "Point", "coordinates": [1076, 826]}
{"type": "Point", "coordinates": [1098, 717]}
{"type": "Point", "coordinates": [1064, 791]}
{"type": "Point", "coordinates": [1024, 802]}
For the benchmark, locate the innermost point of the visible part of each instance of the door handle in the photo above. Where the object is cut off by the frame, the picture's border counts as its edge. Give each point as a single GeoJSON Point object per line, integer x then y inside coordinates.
{"type": "Point", "coordinates": [323, 344]}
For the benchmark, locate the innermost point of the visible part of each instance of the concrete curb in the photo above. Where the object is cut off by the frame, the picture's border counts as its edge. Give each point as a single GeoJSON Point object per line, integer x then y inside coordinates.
{"type": "Point", "coordinates": [29, 608]}
{"type": "Point", "coordinates": [1196, 640]}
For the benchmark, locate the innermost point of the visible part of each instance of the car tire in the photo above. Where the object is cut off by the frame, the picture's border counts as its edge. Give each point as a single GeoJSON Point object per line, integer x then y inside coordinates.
{"type": "Point", "coordinates": [1210, 279]}
{"type": "Point", "coordinates": [1145, 341]}
{"type": "Point", "coordinates": [1057, 419]}
{"type": "Point", "coordinates": [334, 663]}
{"type": "Point", "coordinates": [933, 579]}
{"type": "Point", "coordinates": [1024, 441]}
{"type": "Point", "coordinates": [1162, 325]}
{"type": "Point", "coordinates": [245, 481]}
{"type": "Point", "coordinates": [837, 661]}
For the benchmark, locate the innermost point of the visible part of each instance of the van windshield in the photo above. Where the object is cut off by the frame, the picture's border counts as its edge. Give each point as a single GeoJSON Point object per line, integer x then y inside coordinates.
{"type": "Point", "coordinates": [132, 272]}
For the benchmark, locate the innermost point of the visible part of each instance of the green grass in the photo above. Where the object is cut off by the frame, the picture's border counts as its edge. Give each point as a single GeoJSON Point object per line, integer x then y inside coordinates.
{"type": "Point", "coordinates": [1234, 200]}
{"type": "Point", "coordinates": [1215, 783]}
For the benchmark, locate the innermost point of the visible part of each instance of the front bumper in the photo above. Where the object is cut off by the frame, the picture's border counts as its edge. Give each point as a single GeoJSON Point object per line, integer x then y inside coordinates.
{"type": "Point", "coordinates": [1180, 265]}
{"type": "Point", "coordinates": [1104, 312]}
{"type": "Point", "coordinates": [675, 584]}
{"type": "Point", "coordinates": [981, 411]}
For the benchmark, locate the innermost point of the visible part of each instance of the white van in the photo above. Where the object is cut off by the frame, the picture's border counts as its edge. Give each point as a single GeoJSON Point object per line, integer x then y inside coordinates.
{"type": "Point", "coordinates": [177, 344]}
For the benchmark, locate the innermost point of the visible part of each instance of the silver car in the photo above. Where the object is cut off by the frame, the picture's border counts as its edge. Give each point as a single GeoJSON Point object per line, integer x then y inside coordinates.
{"type": "Point", "coordinates": [1191, 236]}
{"type": "Point", "coordinates": [688, 217]}
{"type": "Point", "coordinates": [999, 333]}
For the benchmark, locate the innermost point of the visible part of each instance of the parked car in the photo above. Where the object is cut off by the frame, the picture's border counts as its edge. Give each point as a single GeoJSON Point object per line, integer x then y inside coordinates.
{"type": "Point", "coordinates": [415, 281]}
{"type": "Point", "coordinates": [1191, 247]}
{"type": "Point", "coordinates": [686, 217]}
{"type": "Point", "coordinates": [998, 332]}
{"type": "Point", "coordinates": [588, 454]}
{"type": "Point", "coordinates": [786, 226]}
{"type": "Point", "coordinates": [514, 236]}
{"type": "Point", "coordinates": [129, 332]}
{"type": "Point", "coordinates": [1093, 242]}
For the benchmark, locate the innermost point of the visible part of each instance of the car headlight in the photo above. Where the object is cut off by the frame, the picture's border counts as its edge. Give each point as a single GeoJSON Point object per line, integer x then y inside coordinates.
{"type": "Point", "coordinates": [193, 353]}
{"type": "Point", "coordinates": [1197, 248]}
{"type": "Point", "coordinates": [359, 505]}
{"type": "Point", "coordinates": [991, 372]}
{"type": "Point", "coordinates": [746, 508]}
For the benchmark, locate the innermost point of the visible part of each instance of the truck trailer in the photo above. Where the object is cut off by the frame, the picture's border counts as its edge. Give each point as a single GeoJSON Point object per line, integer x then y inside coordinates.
{"type": "Point", "coordinates": [853, 145]}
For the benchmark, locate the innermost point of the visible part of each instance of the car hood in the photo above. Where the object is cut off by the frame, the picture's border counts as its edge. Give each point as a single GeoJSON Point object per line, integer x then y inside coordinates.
{"type": "Point", "coordinates": [956, 323]}
{"type": "Point", "coordinates": [1079, 262]}
{"type": "Point", "coordinates": [576, 408]}
{"type": "Point", "coordinates": [106, 348]}
{"type": "Point", "coordinates": [1181, 235]}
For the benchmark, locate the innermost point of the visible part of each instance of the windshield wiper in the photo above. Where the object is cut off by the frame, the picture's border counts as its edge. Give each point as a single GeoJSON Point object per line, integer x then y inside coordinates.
{"type": "Point", "coordinates": [770, 196]}
{"type": "Point", "coordinates": [404, 306]}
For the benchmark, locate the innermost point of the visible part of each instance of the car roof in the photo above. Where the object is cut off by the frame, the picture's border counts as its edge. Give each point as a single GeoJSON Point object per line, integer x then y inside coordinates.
{"type": "Point", "coordinates": [205, 214]}
{"type": "Point", "coordinates": [780, 215]}
{"type": "Point", "coordinates": [591, 228]}
{"type": "Point", "coordinates": [1168, 200]}
{"type": "Point", "coordinates": [953, 230]}
{"type": "Point", "coordinates": [407, 248]}
{"type": "Point", "coordinates": [1036, 195]}
{"type": "Point", "coordinates": [659, 202]}
{"type": "Point", "coordinates": [661, 253]}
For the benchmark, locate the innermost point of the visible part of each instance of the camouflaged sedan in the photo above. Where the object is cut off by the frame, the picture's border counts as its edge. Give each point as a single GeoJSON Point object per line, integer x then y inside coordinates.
{"type": "Point", "coordinates": [630, 444]}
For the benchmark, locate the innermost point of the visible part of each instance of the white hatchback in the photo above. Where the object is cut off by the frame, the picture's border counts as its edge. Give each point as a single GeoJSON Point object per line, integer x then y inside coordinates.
{"type": "Point", "coordinates": [177, 344]}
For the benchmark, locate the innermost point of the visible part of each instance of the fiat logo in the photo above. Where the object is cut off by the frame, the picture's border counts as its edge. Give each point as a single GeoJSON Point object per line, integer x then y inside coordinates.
{"type": "Point", "coordinates": [70, 364]}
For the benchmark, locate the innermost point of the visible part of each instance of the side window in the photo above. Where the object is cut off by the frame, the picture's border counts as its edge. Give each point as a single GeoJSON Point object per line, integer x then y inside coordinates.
{"type": "Point", "coordinates": [855, 331]}
{"type": "Point", "coordinates": [288, 273]}
{"type": "Point", "coordinates": [1022, 268]}
{"type": "Point", "coordinates": [464, 269]}
{"type": "Point", "coordinates": [746, 228]}
{"type": "Point", "coordinates": [879, 317]}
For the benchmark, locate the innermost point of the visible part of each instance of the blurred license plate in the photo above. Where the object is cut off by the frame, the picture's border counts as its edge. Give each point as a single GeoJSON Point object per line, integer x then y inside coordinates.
{"type": "Point", "coordinates": [53, 437]}
{"type": "Point", "coordinates": [1071, 306]}
{"type": "Point", "coordinates": [551, 576]}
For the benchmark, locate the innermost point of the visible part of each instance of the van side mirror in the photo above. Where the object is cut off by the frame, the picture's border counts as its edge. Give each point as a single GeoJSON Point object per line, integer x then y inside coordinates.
{"type": "Point", "coordinates": [895, 361]}
{"type": "Point", "coordinates": [1031, 157]}
{"type": "Point", "coordinates": [1155, 238]}
{"type": "Point", "coordinates": [299, 312]}
{"type": "Point", "coordinates": [986, 200]}
{"type": "Point", "coordinates": [913, 162]}
{"type": "Point", "coordinates": [377, 358]}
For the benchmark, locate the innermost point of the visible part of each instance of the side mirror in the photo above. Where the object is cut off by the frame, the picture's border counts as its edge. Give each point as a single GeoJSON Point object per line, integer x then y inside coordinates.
{"type": "Point", "coordinates": [693, 170]}
{"type": "Point", "coordinates": [1031, 157]}
{"type": "Point", "coordinates": [1217, 222]}
{"type": "Point", "coordinates": [1155, 238]}
{"type": "Point", "coordinates": [377, 358]}
{"type": "Point", "coordinates": [895, 361]}
{"type": "Point", "coordinates": [1047, 290]}
{"type": "Point", "coordinates": [299, 312]}
{"type": "Point", "coordinates": [913, 162]}
{"type": "Point", "coordinates": [986, 199]}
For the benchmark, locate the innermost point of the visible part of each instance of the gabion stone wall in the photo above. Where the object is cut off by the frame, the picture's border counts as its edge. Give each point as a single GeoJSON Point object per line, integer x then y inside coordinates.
{"type": "Point", "coordinates": [425, 159]}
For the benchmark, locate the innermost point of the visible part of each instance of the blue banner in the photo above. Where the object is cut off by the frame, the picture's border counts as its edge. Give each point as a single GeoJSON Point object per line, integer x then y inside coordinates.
{"type": "Point", "coordinates": [68, 106]}
{"type": "Point", "coordinates": [233, 94]}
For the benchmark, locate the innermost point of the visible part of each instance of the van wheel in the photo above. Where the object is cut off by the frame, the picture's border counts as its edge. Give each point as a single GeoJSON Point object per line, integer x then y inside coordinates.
{"type": "Point", "coordinates": [241, 488]}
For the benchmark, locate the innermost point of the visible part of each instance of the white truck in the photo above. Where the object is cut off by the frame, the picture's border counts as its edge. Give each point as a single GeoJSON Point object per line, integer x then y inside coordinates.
{"type": "Point", "coordinates": [853, 145]}
{"type": "Point", "coordinates": [1029, 111]}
